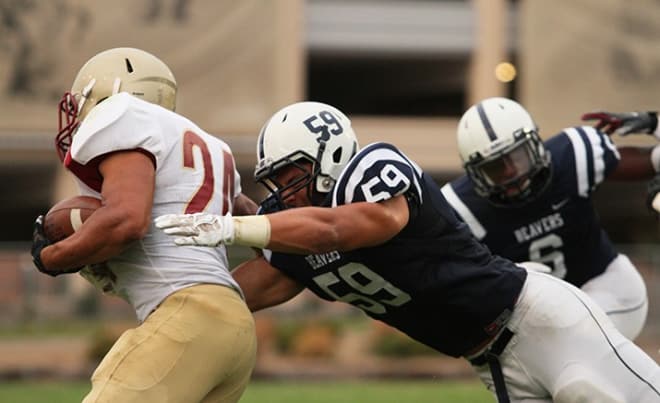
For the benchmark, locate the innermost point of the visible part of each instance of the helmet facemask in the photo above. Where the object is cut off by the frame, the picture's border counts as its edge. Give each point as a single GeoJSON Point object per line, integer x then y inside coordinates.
{"type": "Point", "coordinates": [515, 174]}
{"type": "Point", "coordinates": [67, 125]}
{"type": "Point", "coordinates": [310, 178]}
{"type": "Point", "coordinates": [279, 192]}
{"type": "Point", "coordinates": [71, 108]}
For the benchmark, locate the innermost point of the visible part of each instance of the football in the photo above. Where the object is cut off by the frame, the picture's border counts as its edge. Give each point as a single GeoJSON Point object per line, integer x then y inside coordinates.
{"type": "Point", "coordinates": [65, 217]}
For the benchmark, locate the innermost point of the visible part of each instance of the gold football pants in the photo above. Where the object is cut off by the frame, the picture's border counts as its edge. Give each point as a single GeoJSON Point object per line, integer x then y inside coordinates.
{"type": "Point", "coordinates": [199, 345]}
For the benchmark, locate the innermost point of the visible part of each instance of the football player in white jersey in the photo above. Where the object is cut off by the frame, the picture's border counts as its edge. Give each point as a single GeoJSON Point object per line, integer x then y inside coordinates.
{"type": "Point", "coordinates": [123, 142]}
{"type": "Point", "coordinates": [529, 200]}
{"type": "Point", "coordinates": [368, 227]}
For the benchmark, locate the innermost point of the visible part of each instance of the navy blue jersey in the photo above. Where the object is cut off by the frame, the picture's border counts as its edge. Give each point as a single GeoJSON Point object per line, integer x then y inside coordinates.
{"type": "Point", "coordinates": [433, 280]}
{"type": "Point", "coordinates": [560, 227]}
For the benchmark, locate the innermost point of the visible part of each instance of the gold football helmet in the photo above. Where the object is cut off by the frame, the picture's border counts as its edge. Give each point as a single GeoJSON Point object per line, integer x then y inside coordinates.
{"type": "Point", "coordinates": [112, 71]}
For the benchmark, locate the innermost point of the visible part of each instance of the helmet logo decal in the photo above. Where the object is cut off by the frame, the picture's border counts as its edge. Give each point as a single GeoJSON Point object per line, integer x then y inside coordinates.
{"type": "Point", "coordinates": [486, 122]}
{"type": "Point", "coordinates": [328, 125]}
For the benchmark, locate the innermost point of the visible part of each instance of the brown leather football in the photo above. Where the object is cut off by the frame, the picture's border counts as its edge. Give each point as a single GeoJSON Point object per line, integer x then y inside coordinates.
{"type": "Point", "coordinates": [65, 217]}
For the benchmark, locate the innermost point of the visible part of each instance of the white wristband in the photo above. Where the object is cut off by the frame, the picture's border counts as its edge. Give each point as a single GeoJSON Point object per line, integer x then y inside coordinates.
{"type": "Point", "coordinates": [655, 158]}
{"type": "Point", "coordinates": [252, 230]}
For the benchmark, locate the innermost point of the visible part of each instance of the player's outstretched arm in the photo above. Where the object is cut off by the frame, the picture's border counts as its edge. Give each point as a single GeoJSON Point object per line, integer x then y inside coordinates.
{"type": "Point", "coordinates": [344, 228]}
{"type": "Point", "coordinates": [636, 163]}
{"type": "Point", "coordinates": [263, 285]}
{"type": "Point", "coordinates": [299, 230]}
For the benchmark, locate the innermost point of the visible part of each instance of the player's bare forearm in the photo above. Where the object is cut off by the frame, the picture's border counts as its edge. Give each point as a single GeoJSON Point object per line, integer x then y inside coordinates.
{"type": "Point", "coordinates": [105, 234]}
{"type": "Point", "coordinates": [127, 191]}
{"type": "Point", "coordinates": [243, 205]}
{"type": "Point", "coordinates": [263, 285]}
{"type": "Point", "coordinates": [635, 164]}
{"type": "Point", "coordinates": [344, 228]}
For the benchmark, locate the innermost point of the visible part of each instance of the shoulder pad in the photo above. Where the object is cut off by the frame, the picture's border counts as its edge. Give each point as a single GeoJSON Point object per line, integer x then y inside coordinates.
{"type": "Point", "coordinates": [106, 127]}
{"type": "Point", "coordinates": [377, 172]}
{"type": "Point", "coordinates": [103, 115]}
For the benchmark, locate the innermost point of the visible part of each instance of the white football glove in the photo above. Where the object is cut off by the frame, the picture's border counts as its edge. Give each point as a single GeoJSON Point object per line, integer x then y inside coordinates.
{"type": "Point", "coordinates": [199, 229]}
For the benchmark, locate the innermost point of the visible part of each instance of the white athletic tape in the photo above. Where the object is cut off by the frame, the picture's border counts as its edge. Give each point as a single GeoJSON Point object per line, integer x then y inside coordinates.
{"type": "Point", "coordinates": [76, 218]}
{"type": "Point", "coordinates": [252, 230]}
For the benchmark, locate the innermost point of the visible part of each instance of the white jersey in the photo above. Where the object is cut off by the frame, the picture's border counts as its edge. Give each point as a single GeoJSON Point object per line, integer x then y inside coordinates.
{"type": "Point", "coordinates": [194, 172]}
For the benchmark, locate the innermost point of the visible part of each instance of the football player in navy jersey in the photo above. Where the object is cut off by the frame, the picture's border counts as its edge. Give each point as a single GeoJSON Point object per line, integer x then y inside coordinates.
{"type": "Point", "coordinates": [368, 227]}
{"type": "Point", "coordinates": [531, 201]}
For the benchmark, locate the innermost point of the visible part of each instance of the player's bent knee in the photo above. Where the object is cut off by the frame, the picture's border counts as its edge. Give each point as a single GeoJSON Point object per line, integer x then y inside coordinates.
{"type": "Point", "coordinates": [585, 391]}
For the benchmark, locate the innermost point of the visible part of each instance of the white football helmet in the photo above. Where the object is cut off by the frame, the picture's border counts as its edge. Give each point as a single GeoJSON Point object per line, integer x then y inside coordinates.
{"type": "Point", "coordinates": [305, 132]}
{"type": "Point", "coordinates": [502, 152]}
{"type": "Point", "coordinates": [131, 70]}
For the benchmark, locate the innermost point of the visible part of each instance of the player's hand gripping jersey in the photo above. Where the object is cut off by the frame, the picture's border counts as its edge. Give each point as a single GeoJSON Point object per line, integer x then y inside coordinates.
{"type": "Point", "coordinates": [431, 275]}
{"type": "Point", "coordinates": [560, 227]}
{"type": "Point", "coordinates": [194, 172]}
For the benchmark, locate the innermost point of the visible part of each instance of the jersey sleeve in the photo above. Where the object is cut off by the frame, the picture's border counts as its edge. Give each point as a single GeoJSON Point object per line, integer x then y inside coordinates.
{"type": "Point", "coordinates": [594, 157]}
{"type": "Point", "coordinates": [116, 125]}
{"type": "Point", "coordinates": [378, 172]}
{"type": "Point", "coordinates": [453, 192]}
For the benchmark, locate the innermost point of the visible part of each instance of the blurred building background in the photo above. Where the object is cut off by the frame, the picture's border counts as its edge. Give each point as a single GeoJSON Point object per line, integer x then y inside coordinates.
{"type": "Point", "coordinates": [404, 70]}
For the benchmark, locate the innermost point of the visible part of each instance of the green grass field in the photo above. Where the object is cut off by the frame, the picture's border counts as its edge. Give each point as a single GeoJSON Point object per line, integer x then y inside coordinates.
{"type": "Point", "coordinates": [394, 391]}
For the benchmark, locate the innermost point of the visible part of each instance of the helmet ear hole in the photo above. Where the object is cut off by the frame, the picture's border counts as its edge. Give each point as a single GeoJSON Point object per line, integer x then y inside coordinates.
{"type": "Point", "coordinates": [336, 156]}
{"type": "Point", "coordinates": [129, 66]}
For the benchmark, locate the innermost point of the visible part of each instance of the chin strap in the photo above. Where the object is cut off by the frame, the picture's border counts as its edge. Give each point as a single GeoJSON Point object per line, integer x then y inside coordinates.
{"type": "Point", "coordinates": [116, 85]}
{"type": "Point", "coordinates": [84, 94]}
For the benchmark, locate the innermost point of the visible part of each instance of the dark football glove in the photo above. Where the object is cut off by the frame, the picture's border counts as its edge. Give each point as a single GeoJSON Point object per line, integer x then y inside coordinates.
{"type": "Point", "coordinates": [652, 190]}
{"type": "Point", "coordinates": [624, 123]}
{"type": "Point", "coordinates": [39, 242]}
